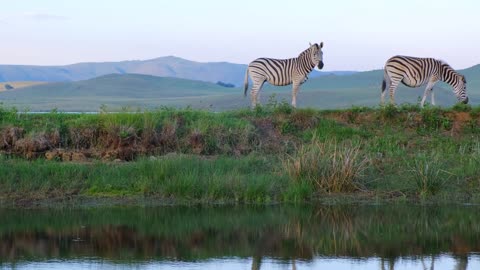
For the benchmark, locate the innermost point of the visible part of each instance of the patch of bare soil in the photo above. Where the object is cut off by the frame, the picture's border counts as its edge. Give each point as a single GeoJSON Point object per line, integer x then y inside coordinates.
{"type": "Point", "coordinates": [268, 136]}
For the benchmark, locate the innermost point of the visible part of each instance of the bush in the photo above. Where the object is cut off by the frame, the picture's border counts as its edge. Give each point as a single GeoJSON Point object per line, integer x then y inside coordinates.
{"type": "Point", "coordinates": [460, 107]}
{"type": "Point", "coordinates": [388, 112]}
{"type": "Point", "coordinates": [433, 119]}
{"type": "Point", "coordinates": [227, 85]}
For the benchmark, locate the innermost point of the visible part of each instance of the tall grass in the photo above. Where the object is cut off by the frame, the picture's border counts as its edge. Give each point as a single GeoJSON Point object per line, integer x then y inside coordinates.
{"type": "Point", "coordinates": [328, 166]}
{"type": "Point", "coordinates": [428, 174]}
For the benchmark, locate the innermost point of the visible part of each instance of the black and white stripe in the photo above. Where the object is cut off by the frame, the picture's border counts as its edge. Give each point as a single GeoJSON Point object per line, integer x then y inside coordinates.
{"type": "Point", "coordinates": [283, 71]}
{"type": "Point", "coordinates": [414, 72]}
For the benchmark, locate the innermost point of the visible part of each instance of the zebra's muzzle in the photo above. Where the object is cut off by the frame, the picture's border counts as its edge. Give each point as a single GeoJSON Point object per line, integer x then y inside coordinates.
{"type": "Point", "coordinates": [465, 101]}
{"type": "Point", "coordinates": [320, 65]}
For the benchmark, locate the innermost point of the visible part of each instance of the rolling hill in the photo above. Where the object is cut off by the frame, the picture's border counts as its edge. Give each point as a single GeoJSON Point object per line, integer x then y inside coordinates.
{"type": "Point", "coordinates": [114, 90]}
{"type": "Point", "coordinates": [146, 91]}
{"type": "Point", "coordinates": [169, 66]}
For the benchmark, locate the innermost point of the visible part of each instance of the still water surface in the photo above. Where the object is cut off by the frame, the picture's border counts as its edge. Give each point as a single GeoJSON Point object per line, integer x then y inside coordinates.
{"type": "Point", "coordinates": [275, 237]}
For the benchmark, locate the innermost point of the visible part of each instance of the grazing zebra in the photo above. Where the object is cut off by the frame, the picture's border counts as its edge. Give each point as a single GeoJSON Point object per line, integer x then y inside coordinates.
{"type": "Point", "coordinates": [414, 72]}
{"type": "Point", "coordinates": [283, 71]}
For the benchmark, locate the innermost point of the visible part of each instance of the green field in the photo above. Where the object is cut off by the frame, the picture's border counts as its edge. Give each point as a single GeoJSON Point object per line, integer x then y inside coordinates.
{"type": "Point", "coordinates": [272, 154]}
{"type": "Point", "coordinates": [115, 91]}
{"type": "Point", "coordinates": [134, 91]}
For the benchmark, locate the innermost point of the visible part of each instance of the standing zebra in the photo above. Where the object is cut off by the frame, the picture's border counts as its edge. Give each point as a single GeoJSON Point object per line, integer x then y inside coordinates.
{"type": "Point", "coordinates": [414, 72]}
{"type": "Point", "coordinates": [283, 71]}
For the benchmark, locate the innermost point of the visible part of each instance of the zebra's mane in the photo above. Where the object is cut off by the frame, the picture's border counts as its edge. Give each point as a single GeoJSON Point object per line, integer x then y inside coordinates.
{"type": "Point", "coordinates": [443, 62]}
{"type": "Point", "coordinates": [448, 68]}
{"type": "Point", "coordinates": [305, 52]}
{"type": "Point", "coordinates": [445, 65]}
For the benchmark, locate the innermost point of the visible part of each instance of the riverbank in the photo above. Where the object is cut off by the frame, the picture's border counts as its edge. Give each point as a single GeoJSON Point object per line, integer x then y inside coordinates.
{"type": "Point", "coordinates": [270, 155]}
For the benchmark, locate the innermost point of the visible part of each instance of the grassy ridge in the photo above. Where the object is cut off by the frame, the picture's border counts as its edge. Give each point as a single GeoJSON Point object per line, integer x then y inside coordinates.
{"type": "Point", "coordinates": [272, 154]}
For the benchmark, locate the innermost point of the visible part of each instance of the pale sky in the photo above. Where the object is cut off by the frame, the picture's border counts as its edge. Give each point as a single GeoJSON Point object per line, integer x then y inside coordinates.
{"type": "Point", "coordinates": [358, 34]}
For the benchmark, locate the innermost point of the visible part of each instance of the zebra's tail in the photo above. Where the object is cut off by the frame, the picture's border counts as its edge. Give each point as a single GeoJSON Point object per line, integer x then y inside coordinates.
{"type": "Point", "coordinates": [245, 83]}
{"type": "Point", "coordinates": [385, 78]}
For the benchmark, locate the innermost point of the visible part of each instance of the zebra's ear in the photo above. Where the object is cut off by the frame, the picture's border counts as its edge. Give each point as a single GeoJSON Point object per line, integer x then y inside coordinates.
{"type": "Point", "coordinates": [310, 44]}
{"type": "Point", "coordinates": [463, 79]}
{"type": "Point", "coordinates": [321, 44]}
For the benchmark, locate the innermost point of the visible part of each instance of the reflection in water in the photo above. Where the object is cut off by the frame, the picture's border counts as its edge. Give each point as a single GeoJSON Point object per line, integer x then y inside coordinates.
{"type": "Point", "coordinates": [442, 262]}
{"type": "Point", "coordinates": [367, 237]}
{"type": "Point", "coordinates": [462, 262]}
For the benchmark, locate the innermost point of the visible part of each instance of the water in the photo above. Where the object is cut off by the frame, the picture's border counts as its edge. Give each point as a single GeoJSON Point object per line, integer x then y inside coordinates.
{"type": "Point", "coordinates": [274, 237]}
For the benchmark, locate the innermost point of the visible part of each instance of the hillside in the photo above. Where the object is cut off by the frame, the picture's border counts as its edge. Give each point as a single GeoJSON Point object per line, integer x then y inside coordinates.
{"type": "Point", "coordinates": [144, 91]}
{"type": "Point", "coordinates": [169, 66]}
{"type": "Point", "coordinates": [115, 91]}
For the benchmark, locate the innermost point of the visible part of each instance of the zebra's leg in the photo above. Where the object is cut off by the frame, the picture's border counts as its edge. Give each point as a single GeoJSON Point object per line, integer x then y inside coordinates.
{"type": "Point", "coordinates": [432, 96]}
{"type": "Point", "coordinates": [423, 98]}
{"type": "Point", "coordinates": [382, 97]}
{"type": "Point", "coordinates": [257, 86]}
{"type": "Point", "coordinates": [392, 88]}
{"type": "Point", "coordinates": [295, 88]}
{"type": "Point", "coordinates": [428, 89]}
{"type": "Point", "coordinates": [385, 84]}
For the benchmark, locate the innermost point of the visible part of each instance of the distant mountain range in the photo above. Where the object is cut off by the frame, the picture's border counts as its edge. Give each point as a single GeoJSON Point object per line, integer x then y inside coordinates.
{"type": "Point", "coordinates": [169, 66]}
{"type": "Point", "coordinates": [146, 91]}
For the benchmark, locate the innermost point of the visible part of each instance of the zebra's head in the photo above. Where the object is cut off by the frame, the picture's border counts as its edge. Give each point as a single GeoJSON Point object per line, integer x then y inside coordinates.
{"type": "Point", "coordinates": [456, 80]}
{"type": "Point", "coordinates": [316, 54]}
{"type": "Point", "coordinates": [460, 88]}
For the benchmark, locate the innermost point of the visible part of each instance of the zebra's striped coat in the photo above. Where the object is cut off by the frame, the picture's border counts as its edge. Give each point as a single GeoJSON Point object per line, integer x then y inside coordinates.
{"type": "Point", "coordinates": [281, 72]}
{"type": "Point", "coordinates": [414, 72]}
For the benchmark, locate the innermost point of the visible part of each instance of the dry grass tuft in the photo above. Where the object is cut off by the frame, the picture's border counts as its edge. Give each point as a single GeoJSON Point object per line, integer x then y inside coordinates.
{"type": "Point", "coordinates": [329, 166]}
{"type": "Point", "coordinates": [9, 136]}
{"type": "Point", "coordinates": [429, 175]}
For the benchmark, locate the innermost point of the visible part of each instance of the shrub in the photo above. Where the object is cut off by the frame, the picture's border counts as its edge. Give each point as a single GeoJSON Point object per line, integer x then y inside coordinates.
{"type": "Point", "coordinates": [389, 111]}
{"type": "Point", "coordinates": [433, 119]}
{"type": "Point", "coordinates": [460, 107]}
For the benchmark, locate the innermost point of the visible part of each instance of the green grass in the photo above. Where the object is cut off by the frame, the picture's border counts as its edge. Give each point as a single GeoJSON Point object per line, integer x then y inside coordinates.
{"type": "Point", "coordinates": [271, 154]}
{"type": "Point", "coordinates": [183, 178]}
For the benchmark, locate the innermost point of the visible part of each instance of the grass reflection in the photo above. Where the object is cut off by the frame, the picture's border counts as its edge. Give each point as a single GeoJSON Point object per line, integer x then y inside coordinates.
{"type": "Point", "coordinates": [198, 233]}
